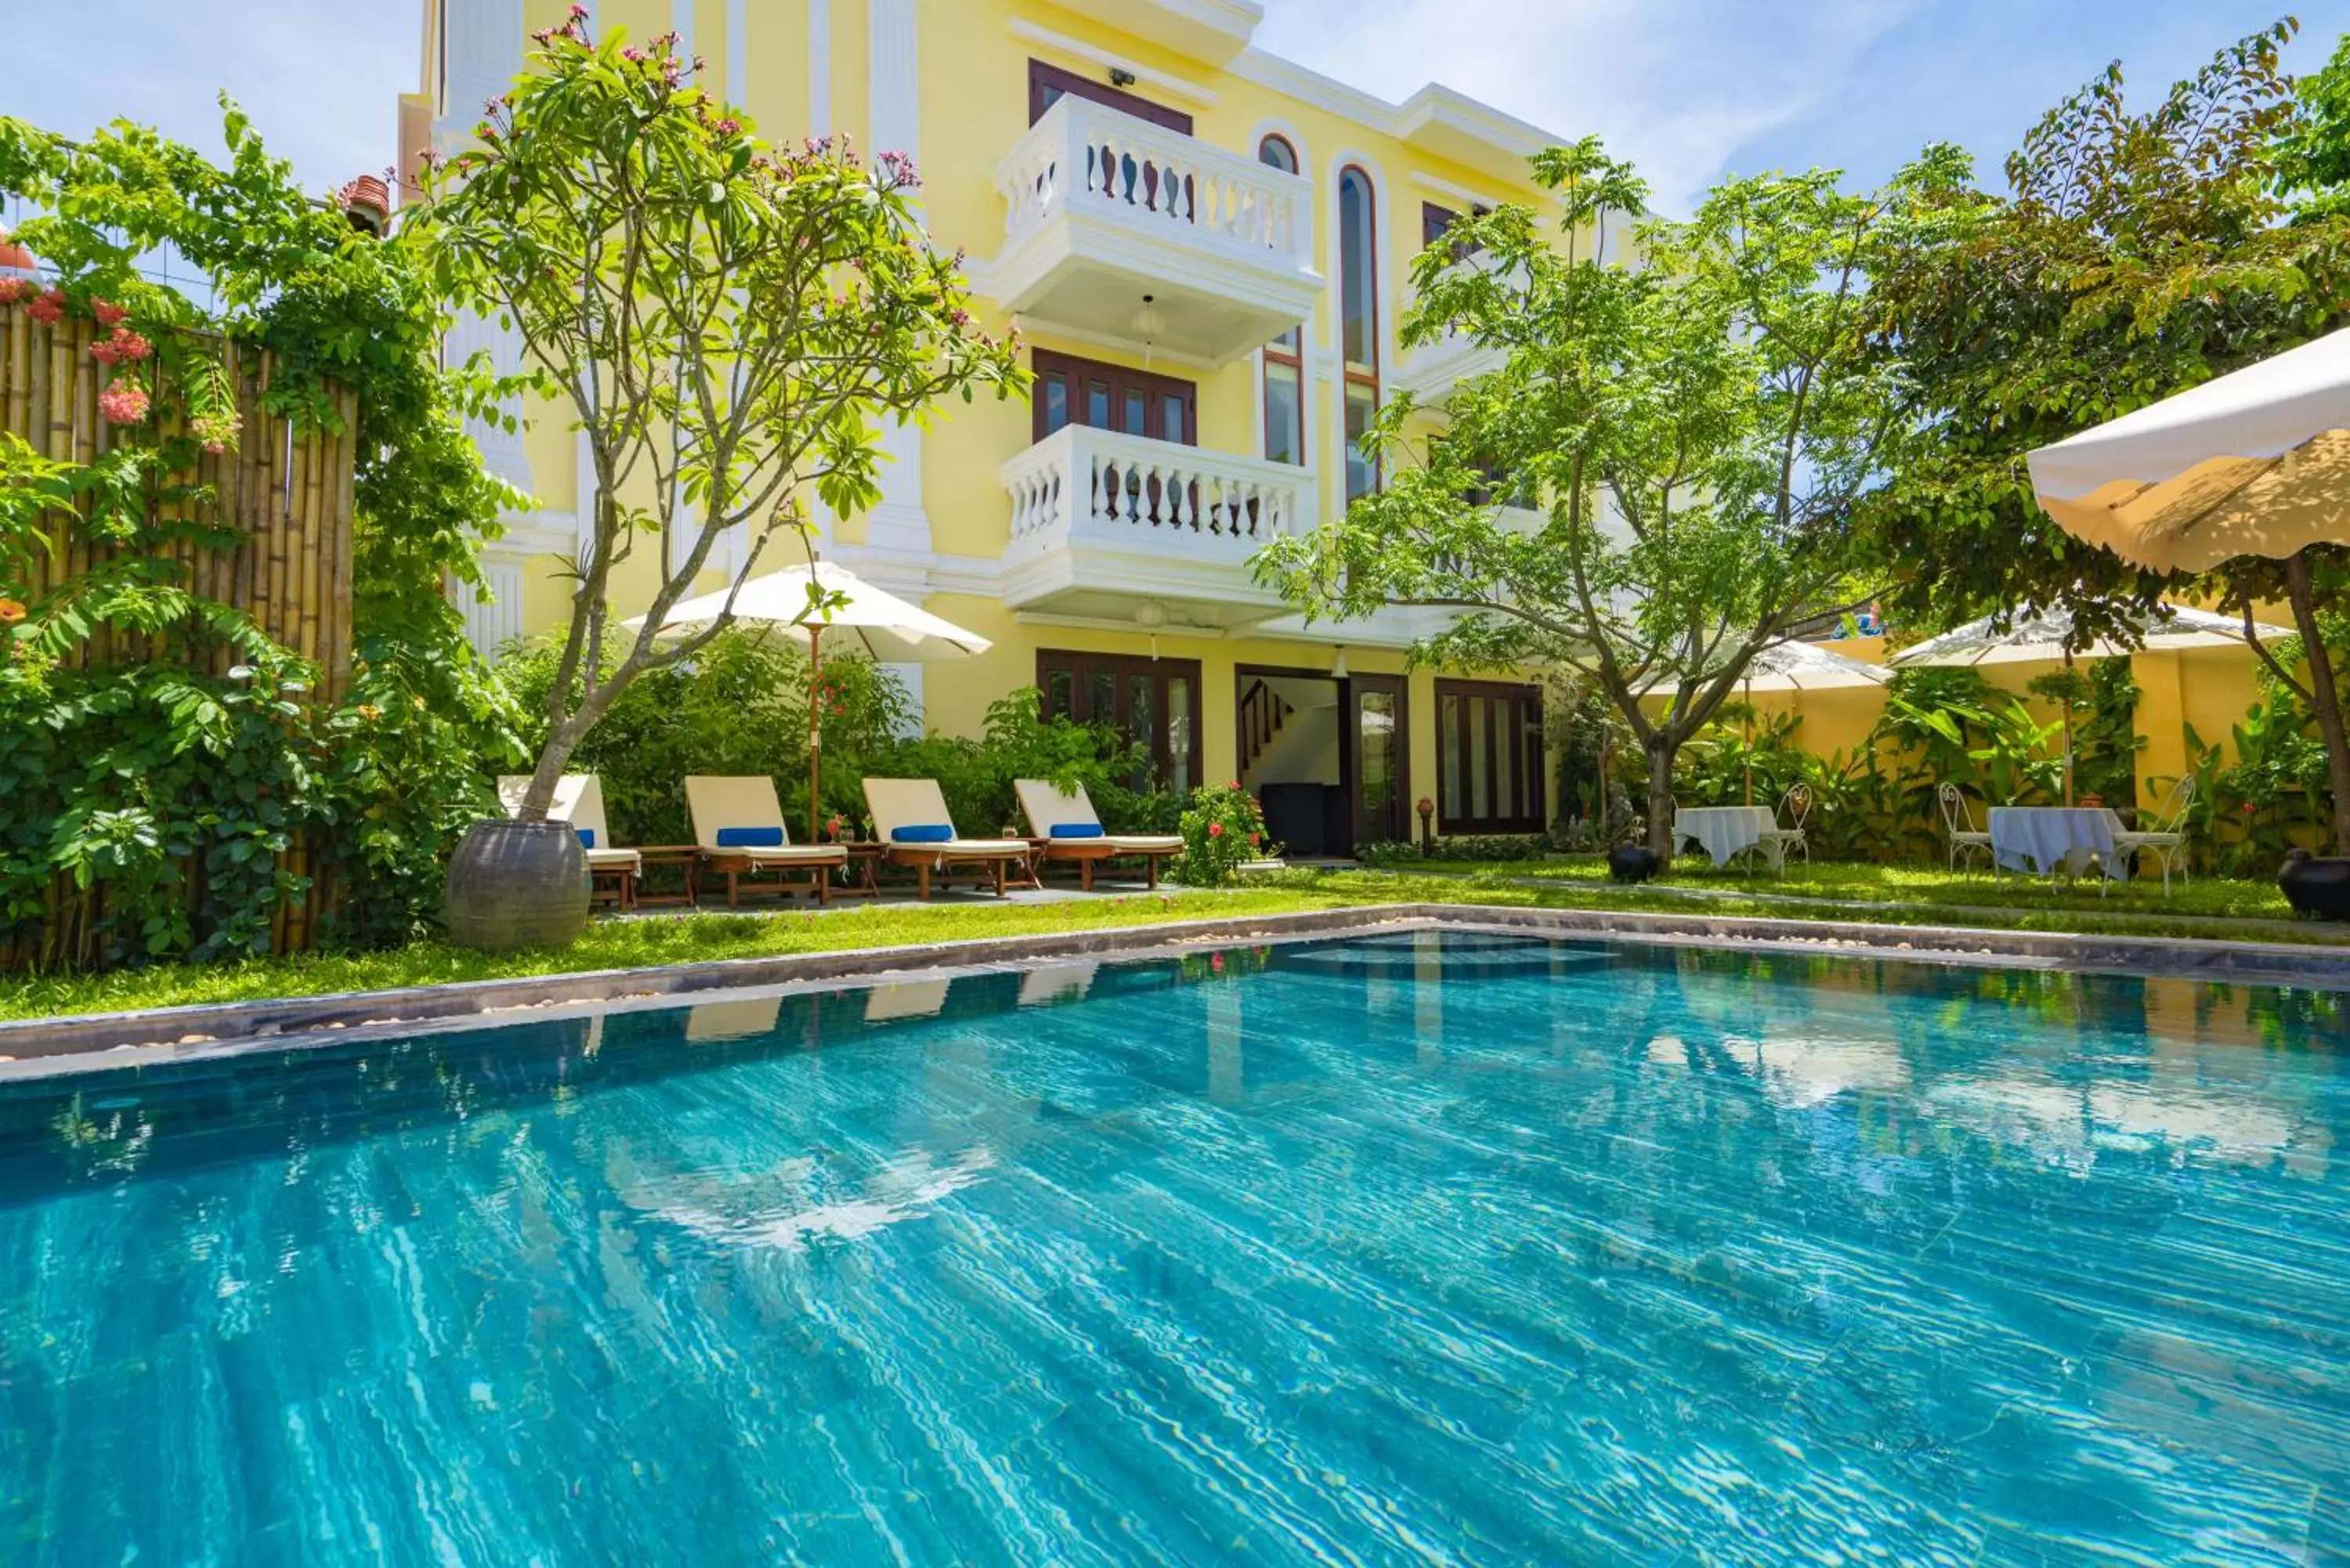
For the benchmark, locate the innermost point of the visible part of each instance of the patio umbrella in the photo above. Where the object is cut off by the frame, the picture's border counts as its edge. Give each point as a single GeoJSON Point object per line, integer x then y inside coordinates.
{"type": "Point", "coordinates": [1800, 667]}
{"type": "Point", "coordinates": [889, 630]}
{"type": "Point", "coordinates": [2252, 463]}
{"type": "Point", "coordinates": [1793, 666]}
{"type": "Point", "coordinates": [2030, 639]}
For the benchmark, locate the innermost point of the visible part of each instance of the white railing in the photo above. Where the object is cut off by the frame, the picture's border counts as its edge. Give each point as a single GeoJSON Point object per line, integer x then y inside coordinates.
{"type": "Point", "coordinates": [1122, 492]}
{"type": "Point", "coordinates": [1085, 157]}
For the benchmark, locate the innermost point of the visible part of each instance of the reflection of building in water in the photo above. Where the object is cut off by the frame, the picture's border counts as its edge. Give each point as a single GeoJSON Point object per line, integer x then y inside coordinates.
{"type": "Point", "coordinates": [1224, 1073]}
{"type": "Point", "coordinates": [1799, 1071]}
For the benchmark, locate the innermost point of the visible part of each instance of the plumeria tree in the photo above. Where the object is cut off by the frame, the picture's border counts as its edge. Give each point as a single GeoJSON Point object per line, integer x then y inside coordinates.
{"type": "Point", "coordinates": [1690, 433]}
{"type": "Point", "coordinates": [728, 324]}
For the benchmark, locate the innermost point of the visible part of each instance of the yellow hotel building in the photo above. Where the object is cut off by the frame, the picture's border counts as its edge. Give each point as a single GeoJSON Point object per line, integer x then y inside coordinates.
{"type": "Point", "coordinates": [1209, 288]}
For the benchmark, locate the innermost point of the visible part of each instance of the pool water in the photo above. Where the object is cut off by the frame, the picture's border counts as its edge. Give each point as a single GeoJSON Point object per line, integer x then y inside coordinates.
{"type": "Point", "coordinates": [1405, 1248]}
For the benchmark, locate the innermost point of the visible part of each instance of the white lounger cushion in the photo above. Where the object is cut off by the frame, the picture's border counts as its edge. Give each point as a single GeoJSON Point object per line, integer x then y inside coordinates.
{"type": "Point", "coordinates": [614, 860]}
{"type": "Point", "coordinates": [1048, 807]}
{"type": "Point", "coordinates": [917, 802]}
{"type": "Point", "coordinates": [720, 801]}
{"type": "Point", "coordinates": [786, 854]}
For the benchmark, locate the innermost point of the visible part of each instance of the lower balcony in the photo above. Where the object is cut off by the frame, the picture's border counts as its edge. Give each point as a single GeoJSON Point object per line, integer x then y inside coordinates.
{"type": "Point", "coordinates": [1105, 524]}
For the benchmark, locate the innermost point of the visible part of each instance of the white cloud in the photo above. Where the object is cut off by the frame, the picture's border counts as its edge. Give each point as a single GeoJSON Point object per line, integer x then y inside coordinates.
{"type": "Point", "coordinates": [1677, 86]}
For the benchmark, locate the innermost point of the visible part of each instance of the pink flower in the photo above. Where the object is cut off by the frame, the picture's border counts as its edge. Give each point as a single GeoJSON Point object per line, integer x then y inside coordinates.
{"type": "Point", "coordinates": [122, 404]}
{"type": "Point", "coordinates": [108, 315]}
{"type": "Point", "coordinates": [49, 309]}
{"type": "Point", "coordinates": [12, 289]}
{"type": "Point", "coordinates": [125, 346]}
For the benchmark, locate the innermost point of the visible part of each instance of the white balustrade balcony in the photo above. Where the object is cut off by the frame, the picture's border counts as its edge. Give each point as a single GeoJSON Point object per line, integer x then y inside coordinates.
{"type": "Point", "coordinates": [1102, 523]}
{"type": "Point", "coordinates": [1104, 208]}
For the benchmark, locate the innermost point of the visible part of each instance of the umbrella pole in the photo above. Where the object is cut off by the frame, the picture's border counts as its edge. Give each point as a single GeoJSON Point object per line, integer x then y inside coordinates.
{"type": "Point", "coordinates": [2066, 707]}
{"type": "Point", "coordinates": [1749, 684]}
{"type": "Point", "coordinates": [815, 708]}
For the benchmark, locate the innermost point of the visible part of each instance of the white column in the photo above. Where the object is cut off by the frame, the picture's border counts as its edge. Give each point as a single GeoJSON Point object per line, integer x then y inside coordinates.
{"type": "Point", "coordinates": [482, 41]}
{"type": "Point", "coordinates": [738, 52]}
{"type": "Point", "coordinates": [819, 67]}
{"type": "Point", "coordinates": [899, 525]}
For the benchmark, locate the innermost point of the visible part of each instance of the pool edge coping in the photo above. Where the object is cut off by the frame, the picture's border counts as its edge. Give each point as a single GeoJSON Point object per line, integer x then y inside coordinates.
{"type": "Point", "coordinates": [79, 1041]}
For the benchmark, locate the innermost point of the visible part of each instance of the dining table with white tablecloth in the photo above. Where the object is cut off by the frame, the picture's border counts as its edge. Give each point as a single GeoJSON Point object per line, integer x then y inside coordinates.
{"type": "Point", "coordinates": [2042, 838]}
{"type": "Point", "coordinates": [1724, 832]}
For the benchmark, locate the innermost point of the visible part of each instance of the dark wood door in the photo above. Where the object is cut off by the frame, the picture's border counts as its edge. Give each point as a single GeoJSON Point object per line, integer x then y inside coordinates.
{"type": "Point", "coordinates": [1103, 397]}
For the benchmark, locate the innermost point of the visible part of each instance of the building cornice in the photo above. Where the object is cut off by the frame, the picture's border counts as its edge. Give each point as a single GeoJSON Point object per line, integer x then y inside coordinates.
{"type": "Point", "coordinates": [1079, 49]}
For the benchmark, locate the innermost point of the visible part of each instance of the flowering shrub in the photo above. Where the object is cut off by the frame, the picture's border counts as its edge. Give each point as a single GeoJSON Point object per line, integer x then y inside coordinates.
{"type": "Point", "coordinates": [1222, 831]}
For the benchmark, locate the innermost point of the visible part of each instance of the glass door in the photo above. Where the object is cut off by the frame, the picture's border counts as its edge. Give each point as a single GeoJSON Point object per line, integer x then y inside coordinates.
{"type": "Point", "coordinates": [1378, 757]}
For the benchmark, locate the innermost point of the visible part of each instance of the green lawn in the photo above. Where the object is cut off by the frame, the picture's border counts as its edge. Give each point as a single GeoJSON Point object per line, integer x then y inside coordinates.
{"type": "Point", "coordinates": [1904, 896]}
{"type": "Point", "coordinates": [2216, 896]}
{"type": "Point", "coordinates": [629, 944]}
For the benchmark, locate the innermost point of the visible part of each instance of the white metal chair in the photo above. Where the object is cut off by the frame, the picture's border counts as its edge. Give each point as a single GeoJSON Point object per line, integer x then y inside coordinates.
{"type": "Point", "coordinates": [2167, 840]}
{"type": "Point", "coordinates": [1959, 824]}
{"type": "Point", "coordinates": [1795, 806]}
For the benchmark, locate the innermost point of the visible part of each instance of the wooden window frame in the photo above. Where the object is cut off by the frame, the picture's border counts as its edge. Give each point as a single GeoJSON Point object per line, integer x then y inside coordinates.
{"type": "Point", "coordinates": [1351, 375]}
{"type": "Point", "coordinates": [1289, 349]}
{"type": "Point", "coordinates": [1042, 78]}
{"type": "Point", "coordinates": [1529, 772]}
{"type": "Point", "coordinates": [1122, 667]}
{"type": "Point", "coordinates": [1076, 369]}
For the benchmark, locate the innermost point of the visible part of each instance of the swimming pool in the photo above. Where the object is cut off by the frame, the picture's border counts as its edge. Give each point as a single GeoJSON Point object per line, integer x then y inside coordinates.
{"type": "Point", "coordinates": [1415, 1246]}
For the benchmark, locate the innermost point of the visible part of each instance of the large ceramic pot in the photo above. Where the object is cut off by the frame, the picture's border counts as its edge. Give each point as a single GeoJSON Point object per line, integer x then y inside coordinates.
{"type": "Point", "coordinates": [1634, 863]}
{"type": "Point", "coordinates": [2315, 887]}
{"type": "Point", "coordinates": [517, 885]}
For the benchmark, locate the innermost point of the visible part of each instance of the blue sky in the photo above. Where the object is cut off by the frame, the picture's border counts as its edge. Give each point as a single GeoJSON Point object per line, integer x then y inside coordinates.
{"type": "Point", "coordinates": [1689, 88]}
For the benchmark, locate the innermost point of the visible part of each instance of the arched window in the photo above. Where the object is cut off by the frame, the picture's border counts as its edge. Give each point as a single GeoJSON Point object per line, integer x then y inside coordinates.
{"type": "Point", "coordinates": [1285, 356]}
{"type": "Point", "coordinates": [1359, 322]}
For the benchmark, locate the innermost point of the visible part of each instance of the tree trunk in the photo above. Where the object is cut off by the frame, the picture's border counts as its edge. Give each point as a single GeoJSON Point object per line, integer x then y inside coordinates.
{"type": "Point", "coordinates": [2325, 696]}
{"type": "Point", "coordinates": [1662, 747]}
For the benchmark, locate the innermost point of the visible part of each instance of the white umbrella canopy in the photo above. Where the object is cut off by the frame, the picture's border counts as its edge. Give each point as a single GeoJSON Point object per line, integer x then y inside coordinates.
{"type": "Point", "coordinates": [2034, 638]}
{"type": "Point", "coordinates": [2256, 462]}
{"type": "Point", "coordinates": [1800, 667]}
{"type": "Point", "coordinates": [891, 630]}
{"type": "Point", "coordinates": [793, 601]}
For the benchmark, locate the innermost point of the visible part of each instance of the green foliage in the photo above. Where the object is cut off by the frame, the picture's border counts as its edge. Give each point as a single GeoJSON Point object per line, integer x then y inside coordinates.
{"type": "Point", "coordinates": [1698, 432]}
{"type": "Point", "coordinates": [1018, 742]}
{"type": "Point", "coordinates": [738, 707]}
{"type": "Point", "coordinates": [2106, 741]}
{"type": "Point", "coordinates": [2135, 251]}
{"type": "Point", "coordinates": [1222, 831]}
{"type": "Point", "coordinates": [167, 791]}
{"type": "Point", "coordinates": [729, 327]}
{"type": "Point", "coordinates": [1741, 744]}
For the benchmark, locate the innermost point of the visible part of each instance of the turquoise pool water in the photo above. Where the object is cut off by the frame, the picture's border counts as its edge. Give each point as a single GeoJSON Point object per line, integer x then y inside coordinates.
{"type": "Point", "coordinates": [1460, 1248]}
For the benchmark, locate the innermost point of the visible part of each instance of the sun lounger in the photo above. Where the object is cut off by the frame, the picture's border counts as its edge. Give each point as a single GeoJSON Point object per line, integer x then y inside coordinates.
{"type": "Point", "coordinates": [910, 817]}
{"type": "Point", "coordinates": [738, 824]}
{"type": "Point", "coordinates": [579, 801]}
{"type": "Point", "coordinates": [1072, 831]}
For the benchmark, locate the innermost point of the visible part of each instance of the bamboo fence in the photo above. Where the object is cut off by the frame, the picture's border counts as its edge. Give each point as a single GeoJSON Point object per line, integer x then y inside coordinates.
{"type": "Point", "coordinates": [287, 493]}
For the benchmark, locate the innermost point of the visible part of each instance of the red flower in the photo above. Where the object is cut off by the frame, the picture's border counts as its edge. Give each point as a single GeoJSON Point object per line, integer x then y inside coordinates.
{"type": "Point", "coordinates": [1215, 830]}
{"type": "Point", "coordinates": [2249, 808]}
{"type": "Point", "coordinates": [12, 289]}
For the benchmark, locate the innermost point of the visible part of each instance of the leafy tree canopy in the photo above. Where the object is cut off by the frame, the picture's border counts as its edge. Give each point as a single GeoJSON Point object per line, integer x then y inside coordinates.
{"type": "Point", "coordinates": [1682, 443]}
{"type": "Point", "coordinates": [728, 324]}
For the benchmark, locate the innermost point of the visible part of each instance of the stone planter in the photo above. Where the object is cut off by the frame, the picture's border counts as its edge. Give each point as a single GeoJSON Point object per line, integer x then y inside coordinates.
{"type": "Point", "coordinates": [517, 885]}
{"type": "Point", "coordinates": [2317, 887]}
{"type": "Point", "coordinates": [1634, 863]}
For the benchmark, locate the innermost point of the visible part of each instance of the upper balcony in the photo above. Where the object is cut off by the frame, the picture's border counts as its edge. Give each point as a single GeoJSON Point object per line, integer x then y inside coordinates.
{"type": "Point", "coordinates": [1102, 522]}
{"type": "Point", "coordinates": [1105, 208]}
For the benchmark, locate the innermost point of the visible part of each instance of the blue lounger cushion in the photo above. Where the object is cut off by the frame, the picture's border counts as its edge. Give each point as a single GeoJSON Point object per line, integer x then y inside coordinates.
{"type": "Point", "coordinates": [923, 833]}
{"type": "Point", "coordinates": [587, 837]}
{"type": "Point", "coordinates": [1074, 830]}
{"type": "Point", "coordinates": [750, 838]}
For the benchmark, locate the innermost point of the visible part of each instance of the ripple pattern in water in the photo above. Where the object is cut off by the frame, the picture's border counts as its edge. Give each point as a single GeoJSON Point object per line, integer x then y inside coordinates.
{"type": "Point", "coordinates": [1444, 1248]}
